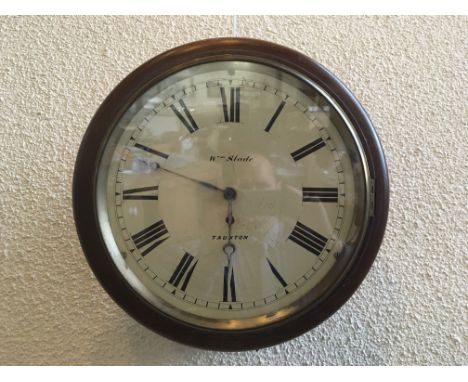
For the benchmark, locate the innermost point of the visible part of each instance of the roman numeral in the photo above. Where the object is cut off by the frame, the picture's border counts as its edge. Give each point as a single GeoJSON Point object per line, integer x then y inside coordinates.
{"type": "Point", "coordinates": [142, 193]}
{"type": "Point", "coordinates": [308, 149]}
{"type": "Point", "coordinates": [233, 114]}
{"type": "Point", "coordinates": [150, 237]}
{"type": "Point", "coordinates": [277, 275]}
{"type": "Point", "coordinates": [229, 286]}
{"type": "Point", "coordinates": [319, 194]}
{"type": "Point", "coordinates": [150, 150]}
{"type": "Point", "coordinates": [183, 272]}
{"type": "Point", "coordinates": [308, 239]}
{"type": "Point", "coordinates": [188, 120]}
{"type": "Point", "coordinates": [277, 113]}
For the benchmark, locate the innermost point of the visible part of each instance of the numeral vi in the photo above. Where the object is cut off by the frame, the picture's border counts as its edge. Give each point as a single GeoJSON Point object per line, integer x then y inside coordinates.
{"type": "Point", "coordinates": [229, 286]}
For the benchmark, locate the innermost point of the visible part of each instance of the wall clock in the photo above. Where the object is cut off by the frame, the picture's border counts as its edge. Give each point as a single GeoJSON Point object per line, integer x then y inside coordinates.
{"type": "Point", "coordinates": [230, 194]}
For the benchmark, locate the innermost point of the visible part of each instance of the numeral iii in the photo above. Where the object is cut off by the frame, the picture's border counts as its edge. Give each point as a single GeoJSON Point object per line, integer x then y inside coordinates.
{"type": "Point", "coordinates": [319, 194]}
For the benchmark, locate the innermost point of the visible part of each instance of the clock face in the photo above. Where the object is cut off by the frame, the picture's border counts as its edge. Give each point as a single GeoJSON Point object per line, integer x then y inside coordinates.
{"type": "Point", "coordinates": [230, 196]}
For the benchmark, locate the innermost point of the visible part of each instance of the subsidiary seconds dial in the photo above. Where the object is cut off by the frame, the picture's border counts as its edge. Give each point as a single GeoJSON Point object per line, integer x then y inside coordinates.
{"type": "Point", "coordinates": [233, 194]}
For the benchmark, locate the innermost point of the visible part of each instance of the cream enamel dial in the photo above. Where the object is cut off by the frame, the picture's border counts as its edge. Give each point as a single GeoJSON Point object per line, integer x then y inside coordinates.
{"type": "Point", "coordinates": [238, 125]}
{"type": "Point", "coordinates": [230, 194]}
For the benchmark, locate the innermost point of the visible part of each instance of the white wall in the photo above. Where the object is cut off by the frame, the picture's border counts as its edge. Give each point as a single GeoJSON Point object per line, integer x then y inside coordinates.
{"type": "Point", "coordinates": [408, 72]}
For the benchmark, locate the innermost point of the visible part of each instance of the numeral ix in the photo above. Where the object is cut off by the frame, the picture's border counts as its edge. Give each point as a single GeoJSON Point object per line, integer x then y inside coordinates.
{"type": "Point", "coordinates": [142, 193]}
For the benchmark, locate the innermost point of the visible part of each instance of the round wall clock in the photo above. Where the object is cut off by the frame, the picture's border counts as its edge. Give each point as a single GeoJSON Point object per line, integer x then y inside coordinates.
{"type": "Point", "coordinates": [230, 194]}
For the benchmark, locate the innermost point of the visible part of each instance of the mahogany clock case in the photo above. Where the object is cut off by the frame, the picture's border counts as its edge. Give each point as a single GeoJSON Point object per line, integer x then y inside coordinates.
{"type": "Point", "coordinates": [85, 187]}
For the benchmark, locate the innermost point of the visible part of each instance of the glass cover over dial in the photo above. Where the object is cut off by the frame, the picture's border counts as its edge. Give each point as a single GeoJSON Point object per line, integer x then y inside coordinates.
{"type": "Point", "coordinates": [233, 194]}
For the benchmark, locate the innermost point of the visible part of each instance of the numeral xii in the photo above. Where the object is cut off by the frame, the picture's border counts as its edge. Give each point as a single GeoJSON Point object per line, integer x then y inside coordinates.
{"type": "Point", "coordinates": [231, 114]}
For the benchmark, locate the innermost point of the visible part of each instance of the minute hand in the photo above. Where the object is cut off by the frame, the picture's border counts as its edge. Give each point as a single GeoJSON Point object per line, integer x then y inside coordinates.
{"type": "Point", "coordinates": [201, 182]}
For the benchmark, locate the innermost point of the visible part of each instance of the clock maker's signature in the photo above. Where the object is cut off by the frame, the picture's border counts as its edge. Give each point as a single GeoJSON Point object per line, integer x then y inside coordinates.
{"type": "Point", "coordinates": [231, 158]}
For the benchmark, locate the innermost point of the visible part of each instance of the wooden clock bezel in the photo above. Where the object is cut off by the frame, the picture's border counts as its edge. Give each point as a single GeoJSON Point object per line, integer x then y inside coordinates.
{"type": "Point", "coordinates": [85, 186]}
